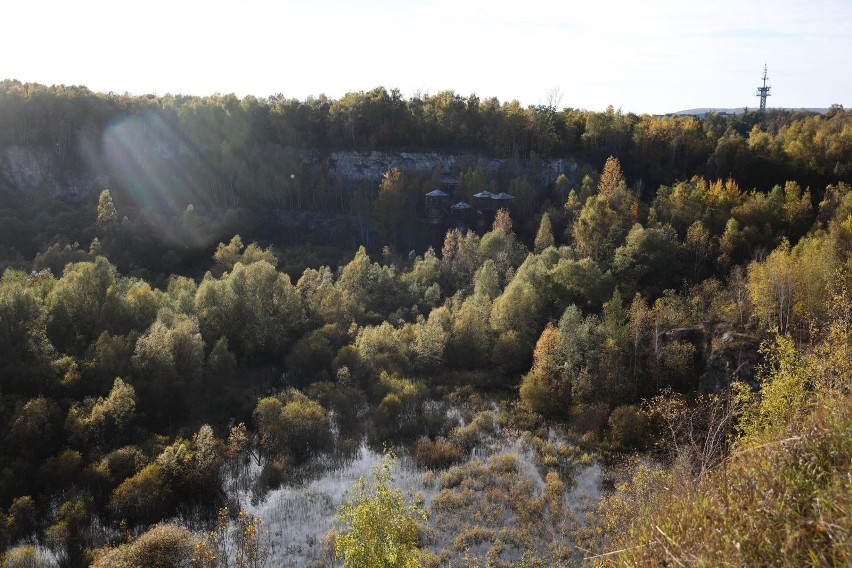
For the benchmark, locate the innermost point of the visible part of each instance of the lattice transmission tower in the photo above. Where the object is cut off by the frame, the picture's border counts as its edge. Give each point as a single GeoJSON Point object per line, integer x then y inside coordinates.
{"type": "Point", "coordinates": [763, 91]}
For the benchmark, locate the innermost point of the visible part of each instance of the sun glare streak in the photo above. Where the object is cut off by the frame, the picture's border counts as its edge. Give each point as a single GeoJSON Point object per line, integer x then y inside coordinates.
{"type": "Point", "coordinates": [162, 173]}
{"type": "Point", "coordinates": [141, 159]}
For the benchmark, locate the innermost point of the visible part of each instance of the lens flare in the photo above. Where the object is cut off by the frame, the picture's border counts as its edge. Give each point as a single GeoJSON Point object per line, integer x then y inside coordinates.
{"type": "Point", "coordinates": [159, 171]}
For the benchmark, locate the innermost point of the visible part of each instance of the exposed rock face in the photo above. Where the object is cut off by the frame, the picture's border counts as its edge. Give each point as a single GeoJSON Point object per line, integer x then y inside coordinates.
{"type": "Point", "coordinates": [28, 169]}
{"type": "Point", "coordinates": [370, 166]}
{"type": "Point", "coordinates": [36, 170]}
{"type": "Point", "coordinates": [25, 168]}
{"type": "Point", "coordinates": [733, 356]}
{"type": "Point", "coordinates": [722, 355]}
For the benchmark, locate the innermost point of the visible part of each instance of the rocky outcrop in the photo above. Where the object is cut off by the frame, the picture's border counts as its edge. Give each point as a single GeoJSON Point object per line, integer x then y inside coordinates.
{"type": "Point", "coordinates": [722, 354]}
{"type": "Point", "coordinates": [370, 166]}
{"type": "Point", "coordinates": [36, 170]}
{"type": "Point", "coordinates": [733, 356]}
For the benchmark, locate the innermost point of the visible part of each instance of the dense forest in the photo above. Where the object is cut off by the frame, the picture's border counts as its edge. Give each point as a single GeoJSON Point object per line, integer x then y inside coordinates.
{"type": "Point", "coordinates": [244, 163]}
{"type": "Point", "coordinates": [674, 304]}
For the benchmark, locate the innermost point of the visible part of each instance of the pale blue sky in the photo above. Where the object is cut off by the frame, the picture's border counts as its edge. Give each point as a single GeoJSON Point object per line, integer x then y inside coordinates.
{"type": "Point", "coordinates": [650, 56]}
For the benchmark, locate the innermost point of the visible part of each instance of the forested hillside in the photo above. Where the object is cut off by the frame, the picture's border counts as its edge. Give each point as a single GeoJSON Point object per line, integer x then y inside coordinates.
{"type": "Point", "coordinates": [673, 306]}
{"type": "Point", "coordinates": [243, 164]}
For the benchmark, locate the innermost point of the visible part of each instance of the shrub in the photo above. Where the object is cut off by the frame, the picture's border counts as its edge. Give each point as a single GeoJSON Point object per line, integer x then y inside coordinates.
{"type": "Point", "coordinates": [274, 474]}
{"type": "Point", "coordinates": [629, 427]}
{"type": "Point", "coordinates": [165, 545]}
{"type": "Point", "coordinates": [436, 454]}
{"type": "Point", "coordinates": [23, 557]}
{"type": "Point", "coordinates": [242, 542]}
{"type": "Point", "coordinates": [292, 424]}
{"type": "Point", "coordinates": [475, 432]}
{"type": "Point", "coordinates": [381, 530]}
{"type": "Point", "coordinates": [144, 498]}
{"type": "Point", "coordinates": [784, 502]}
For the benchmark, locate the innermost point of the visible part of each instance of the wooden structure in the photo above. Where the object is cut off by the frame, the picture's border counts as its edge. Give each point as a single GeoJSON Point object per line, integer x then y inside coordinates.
{"type": "Point", "coordinates": [440, 216]}
{"type": "Point", "coordinates": [437, 203]}
{"type": "Point", "coordinates": [461, 214]}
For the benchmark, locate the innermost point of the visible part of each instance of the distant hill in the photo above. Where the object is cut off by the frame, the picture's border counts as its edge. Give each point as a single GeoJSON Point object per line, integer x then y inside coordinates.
{"type": "Point", "coordinates": [703, 111]}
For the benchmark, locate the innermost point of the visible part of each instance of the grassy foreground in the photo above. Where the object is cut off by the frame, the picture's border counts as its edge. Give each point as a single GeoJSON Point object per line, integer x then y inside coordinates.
{"type": "Point", "coordinates": [782, 497]}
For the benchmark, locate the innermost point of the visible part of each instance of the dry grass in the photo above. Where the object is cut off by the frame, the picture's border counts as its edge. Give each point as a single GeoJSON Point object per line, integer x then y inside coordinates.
{"type": "Point", "coordinates": [436, 454]}
{"type": "Point", "coordinates": [785, 502]}
{"type": "Point", "coordinates": [494, 514]}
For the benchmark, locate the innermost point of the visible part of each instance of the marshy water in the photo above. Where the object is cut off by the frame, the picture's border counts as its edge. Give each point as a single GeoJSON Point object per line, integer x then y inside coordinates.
{"type": "Point", "coordinates": [483, 500]}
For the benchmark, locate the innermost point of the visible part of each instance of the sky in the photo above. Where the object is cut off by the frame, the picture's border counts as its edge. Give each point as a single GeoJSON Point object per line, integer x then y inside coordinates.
{"type": "Point", "coordinates": [643, 56]}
